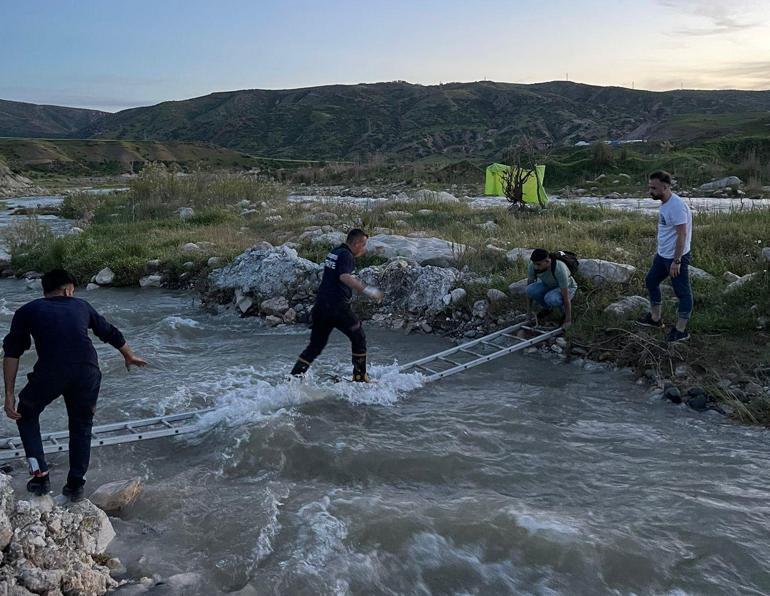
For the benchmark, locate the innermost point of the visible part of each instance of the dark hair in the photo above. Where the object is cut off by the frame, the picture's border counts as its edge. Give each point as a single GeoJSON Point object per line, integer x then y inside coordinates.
{"type": "Point", "coordinates": [355, 235]}
{"type": "Point", "coordinates": [661, 175]}
{"type": "Point", "coordinates": [539, 254]}
{"type": "Point", "coordinates": [57, 278]}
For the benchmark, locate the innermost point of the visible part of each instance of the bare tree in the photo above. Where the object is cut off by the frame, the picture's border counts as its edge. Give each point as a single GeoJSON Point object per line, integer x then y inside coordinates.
{"type": "Point", "coordinates": [523, 158]}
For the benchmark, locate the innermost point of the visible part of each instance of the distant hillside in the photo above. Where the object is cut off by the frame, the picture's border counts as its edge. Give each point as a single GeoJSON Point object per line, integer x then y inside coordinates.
{"type": "Point", "coordinates": [18, 119]}
{"type": "Point", "coordinates": [407, 122]}
{"type": "Point", "coordinates": [90, 157]}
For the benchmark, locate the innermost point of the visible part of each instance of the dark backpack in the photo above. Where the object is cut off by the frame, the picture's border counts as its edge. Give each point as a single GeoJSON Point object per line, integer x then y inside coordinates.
{"type": "Point", "coordinates": [568, 258]}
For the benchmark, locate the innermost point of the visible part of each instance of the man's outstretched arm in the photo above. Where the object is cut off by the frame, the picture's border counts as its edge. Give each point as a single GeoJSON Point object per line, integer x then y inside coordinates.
{"type": "Point", "coordinates": [10, 370]}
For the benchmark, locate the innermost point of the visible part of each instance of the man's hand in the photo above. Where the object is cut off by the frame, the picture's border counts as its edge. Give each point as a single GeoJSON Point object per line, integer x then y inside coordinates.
{"type": "Point", "coordinates": [10, 407]}
{"type": "Point", "coordinates": [674, 271]}
{"type": "Point", "coordinates": [132, 360]}
{"type": "Point", "coordinates": [373, 293]}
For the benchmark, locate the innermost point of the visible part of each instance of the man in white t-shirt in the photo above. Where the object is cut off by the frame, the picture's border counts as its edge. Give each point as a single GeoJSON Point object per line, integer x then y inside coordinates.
{"type": "Point", "coordinates": [672, 258]}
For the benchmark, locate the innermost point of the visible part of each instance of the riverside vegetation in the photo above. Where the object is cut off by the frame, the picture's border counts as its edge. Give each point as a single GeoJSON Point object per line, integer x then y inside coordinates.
{"type": "Point", "coordinates": [182, 227]}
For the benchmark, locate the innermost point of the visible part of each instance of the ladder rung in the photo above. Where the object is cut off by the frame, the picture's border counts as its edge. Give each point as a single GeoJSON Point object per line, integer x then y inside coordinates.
{"type": "Point", "coordinates": [425, 368]}
{"type": "Point", "coordinates": [166, 423]}
{"type": "Point", "coordinates": [493, 344]}
{"type": "Point", "coordinates": [471, 352]}
{"type": "Point", "coordinates": [452, 362]}
{"type": "Point", "coordinates": [132, 429]}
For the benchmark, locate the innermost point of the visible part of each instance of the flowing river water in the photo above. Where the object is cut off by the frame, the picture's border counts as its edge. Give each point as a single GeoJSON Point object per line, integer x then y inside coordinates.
{"type": "Point", "coordinates": [521, 476]}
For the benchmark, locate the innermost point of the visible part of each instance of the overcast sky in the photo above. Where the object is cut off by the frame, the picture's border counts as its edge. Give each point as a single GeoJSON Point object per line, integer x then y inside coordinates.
{"type": "Point", "coordinates": [112, 55]}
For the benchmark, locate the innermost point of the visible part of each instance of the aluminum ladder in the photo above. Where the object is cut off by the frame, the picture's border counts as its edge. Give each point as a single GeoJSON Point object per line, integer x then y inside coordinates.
{"type": "Point", "coordinates": [479, 351]}
{"type": "Point", "coordinates": [435, 367]}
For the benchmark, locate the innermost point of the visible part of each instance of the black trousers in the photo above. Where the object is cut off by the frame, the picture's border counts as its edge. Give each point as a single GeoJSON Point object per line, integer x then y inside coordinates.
{"type": "Point", "coordinates": [80, 387]}
{"type": "Point", "coordinates": [327, 318]}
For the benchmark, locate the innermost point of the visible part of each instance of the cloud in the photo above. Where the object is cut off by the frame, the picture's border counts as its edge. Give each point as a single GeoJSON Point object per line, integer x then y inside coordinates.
{"type": "Point", "coordinates": [722, 18]}
{"type": "Point", "coordinates": [752, 75]}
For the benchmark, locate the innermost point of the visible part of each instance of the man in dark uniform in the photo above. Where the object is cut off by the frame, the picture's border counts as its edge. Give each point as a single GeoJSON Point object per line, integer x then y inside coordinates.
{"type": "Point", "coordinates": [332, 306]}
{"type": "Point", "coordinates": [66, 365]}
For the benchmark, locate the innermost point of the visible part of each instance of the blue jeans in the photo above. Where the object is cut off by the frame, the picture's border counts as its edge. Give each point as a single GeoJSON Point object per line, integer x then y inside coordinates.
{"type": "Point", "coordinates": [660, 270]}
{"type": "Point", "coordinates": [547, 297]}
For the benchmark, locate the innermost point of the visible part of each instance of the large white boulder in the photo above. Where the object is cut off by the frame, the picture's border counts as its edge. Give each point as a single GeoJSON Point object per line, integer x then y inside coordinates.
{"type": "Point", "coordinates": [265, 272]}
{"type": "Point", "coordinates": [740, 282]}
{"type": "Point", "coordinates": [431, 196]}
{"type": "Point", "coordinates": [599, 272]}
{"type": "Point", "coordinates": [721, 183]}
{"type": "Point", "coordinates": [411, 287]}
{"type": "Point", "coordinates": [425, 251]}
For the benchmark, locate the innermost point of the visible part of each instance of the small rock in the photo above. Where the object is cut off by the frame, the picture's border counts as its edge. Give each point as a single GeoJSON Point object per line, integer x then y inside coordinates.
{"type": "Point", "coordinates": [730, 277]}
{"type": "Point", "coordinates": [151, 281]}
{"type": "Point", "coordinates": [190, 248]}
{"type": "Point", "coordinates": [215, 262]}
{"type": "Point", "coordinates": [495, 295]}
{"type": "Point", "coordinates": [105, 277]}
{"type": "Point", "coordinates": [185, 213]}
{"type": "Point", "coordinates": [274, 306]}
{"type": "Point", "coordinates": [681, 370]}
{"type": "Point", "coordinates": [189, 265]}
{"type": "Point", "coordinates": [699, 403]}
{"type": "Point", "coordinates": [672, 393]}
{"type": "Point", "coordinates": [426, 328]}
{"type": "Point", "coordinates": [766, 253]}
{"type": "Point", "coordinates": [273, 321]}
{"type": "Point", "coordinates": [561, 342]}
{"type": "Point", "coordinates": [518, 288]}
{"type": "Point", "coordinates": [290, 316]}
{"type": "Point", "coordinates": [458, 295]}
{"type": "Point", "coordinates": [480, 309]}
{"type": "Point", "coordinates": [153, 265]}
{"type": "Point", "coordinates": [116, 496]}
{"type": "Point", "coordinates": [75, 231]}
{"type": "Point", "coordinates": [556, 349]}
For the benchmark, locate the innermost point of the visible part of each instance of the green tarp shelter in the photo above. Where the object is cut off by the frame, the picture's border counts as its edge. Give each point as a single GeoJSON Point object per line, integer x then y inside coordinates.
{"type": "Point", "coordinates": [494, 183]}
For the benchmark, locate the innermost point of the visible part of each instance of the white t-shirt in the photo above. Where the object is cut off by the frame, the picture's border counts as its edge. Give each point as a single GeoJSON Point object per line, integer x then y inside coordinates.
{"type": "Point", "coordinates": [673, 212]}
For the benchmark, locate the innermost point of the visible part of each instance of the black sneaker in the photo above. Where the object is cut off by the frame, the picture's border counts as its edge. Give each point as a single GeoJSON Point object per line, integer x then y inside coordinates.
{"type": "Point", "coordinates": [39, 485]}
{"type": "Point", "coordinates": [648, 321]}
{"type": "Point", "coordinates": [675, 335]}
{"type": "Point", "coordinates": [74, 493]}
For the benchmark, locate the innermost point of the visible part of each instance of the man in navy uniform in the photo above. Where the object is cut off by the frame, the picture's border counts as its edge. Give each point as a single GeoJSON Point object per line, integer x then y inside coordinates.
{"type": "Point", "coordinates": [66, 365]}
{"type": "Point", "coordinates": [332, 306]}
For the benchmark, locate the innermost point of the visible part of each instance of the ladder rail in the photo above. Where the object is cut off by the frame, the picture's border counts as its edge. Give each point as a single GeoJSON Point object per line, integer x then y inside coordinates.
{"type": "Point", "coordinates": [484, 358]}
{"type": "Point", "coordinates": [457, 348]}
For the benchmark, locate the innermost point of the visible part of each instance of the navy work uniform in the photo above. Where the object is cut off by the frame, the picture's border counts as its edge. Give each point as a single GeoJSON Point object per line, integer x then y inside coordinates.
{"type": "Point", "coordinates": [67, 365]}
{"type": "Point", "coordinates": [332, 311]}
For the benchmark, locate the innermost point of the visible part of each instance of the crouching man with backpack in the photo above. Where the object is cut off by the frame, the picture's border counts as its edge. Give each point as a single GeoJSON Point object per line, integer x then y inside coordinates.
{"type": "Point", "coordinates": [550, 283]}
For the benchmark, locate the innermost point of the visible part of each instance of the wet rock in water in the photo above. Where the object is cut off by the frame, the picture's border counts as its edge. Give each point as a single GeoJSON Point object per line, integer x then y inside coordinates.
{"type": "Point", "coordinates": [113, 497]}
{"type": "Point", "coordinates": [151, 281]}
{"type": "Point", "coordinates": [35, 285]}
{"type": "Point", "coordinates": [105, 277]}
{"type": "Point", "coordinates": [599, 272]}
{"type": "Point", "coordinates": [274, 306]}
{"type": "Point", "coordinates": [627, 306]}
{"type": "Point", "coordinates": [92, 286]}
{"type": "Point", "coordinates": [273, 321]}
{"type": "Point", "coordinates": [699, 403]}
{"type": "Point", "coordinates": [672, 393]}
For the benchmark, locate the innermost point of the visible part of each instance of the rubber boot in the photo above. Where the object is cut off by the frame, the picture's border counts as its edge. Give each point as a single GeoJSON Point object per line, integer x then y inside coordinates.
{"type": "Point", "coordinates": [300, 368]}
{"type": "Point", "coordinates": [359, 369]}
